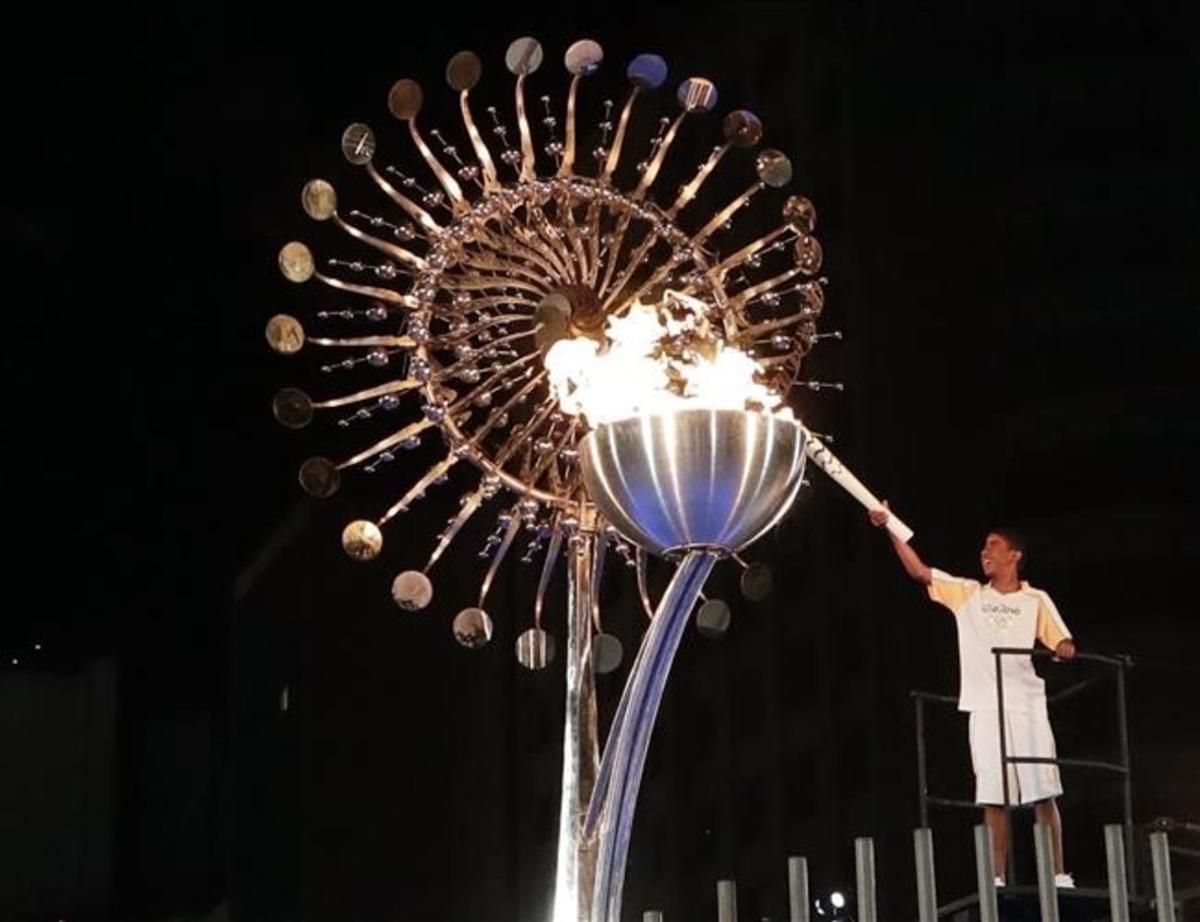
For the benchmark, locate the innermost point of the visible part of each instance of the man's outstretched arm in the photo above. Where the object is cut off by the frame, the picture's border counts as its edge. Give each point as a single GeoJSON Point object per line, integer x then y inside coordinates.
{"type": "Point", "coordinates": [913, 565]}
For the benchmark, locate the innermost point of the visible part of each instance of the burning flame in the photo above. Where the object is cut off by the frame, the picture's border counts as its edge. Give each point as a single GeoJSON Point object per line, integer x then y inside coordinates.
{"type": "Point", "coordinates": [656, 359]}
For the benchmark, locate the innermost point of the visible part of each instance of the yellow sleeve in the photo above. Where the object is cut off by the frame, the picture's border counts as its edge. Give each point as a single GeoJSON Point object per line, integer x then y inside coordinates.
{"type": "Point", "coordinates": [1051, 630]}
{"type": "Point", "coordinates": [951, 591]}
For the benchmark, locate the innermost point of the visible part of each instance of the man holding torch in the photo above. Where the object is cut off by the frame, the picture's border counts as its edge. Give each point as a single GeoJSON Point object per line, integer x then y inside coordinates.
{"type": "Point", "coordinates": [1003, 611]}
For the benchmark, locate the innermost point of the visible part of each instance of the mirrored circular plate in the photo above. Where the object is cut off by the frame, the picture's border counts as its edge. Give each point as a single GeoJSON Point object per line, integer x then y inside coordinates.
{"type": "Point", "coordinates": [524, 56]}
{"type": "Point", "coordinates": [319, 199]}
{"type": "Point", "coordinates": [742, 128]}
{"type": "Point", "coordinates": [712, 619]}
{"type": "Point", "coordinates": [358, 143]}
{"type": "Point", "coordinates": [774, 168]}
{"type": "Point", "coordinates": [647, 71]}
{"type": "Point", "coordinates": [463, 71]}
{"type": "Point", "coordinates": [292, 408]}
{"type": "Point", "coordinates": [808, 254]}
{"type": "Point", "coordinates": [800, 214]}
{"type": "Point", "coordinates": [696, 94]}
{"type": "Point", "coordinates": [320, 477]}
{"type": "Point", "coordinates": [285, 335]}
{"type": "Point", "coordinates": [296, 262]}
{"type": "Point", "coordinates": [362, 540]}
{"type": "Point", "coordinates": [607, 653]}
{"type": "Point", "coordinates": [756, 582]}
{"type": "Point", "coordinates": [472, 628]}
{"type": "Point", "coordinates": [405, 99]}
{"type": "Point", "coordinates": [412, 590]}
{"type": "Point", "coordinates": [535, 649]}
{"type": "Point", "coordinates": [584, 57]}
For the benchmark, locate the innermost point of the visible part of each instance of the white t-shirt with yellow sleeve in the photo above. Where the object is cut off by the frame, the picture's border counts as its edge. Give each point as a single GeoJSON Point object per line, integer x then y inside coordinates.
{"type": "Point", "coordinates": [985, 619]}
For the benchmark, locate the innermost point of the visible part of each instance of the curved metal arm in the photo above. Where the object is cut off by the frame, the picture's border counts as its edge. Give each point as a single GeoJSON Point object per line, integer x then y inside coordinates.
{"type": "Point", "coordinates": [628, 742]}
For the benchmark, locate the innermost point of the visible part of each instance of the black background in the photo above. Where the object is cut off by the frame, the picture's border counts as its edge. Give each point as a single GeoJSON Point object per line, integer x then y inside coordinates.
{"type": "Point", "coordinates": [1007, 199]}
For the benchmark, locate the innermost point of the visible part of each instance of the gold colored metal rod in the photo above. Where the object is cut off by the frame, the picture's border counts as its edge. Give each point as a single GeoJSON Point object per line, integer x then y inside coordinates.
{"type": "Point", "coordinates": [614, 249]}
{"type": "Point", "coordinates": [748, 294]}
{"type": "Point", "coordinates": [749, 334]}
{"type": "Point", "coordinates": [392, 387]}
{"type": "Point", "coordinates": [411, 208]}
{"type": "Point", "coordinates": [688, 192]}
{"type": "Point", "coordinates": [528, 157]}
{"type": "Point", "coordinates": [643, 588]}
{"type": "Point", "coordinates": [384, 444]}
{"type": "Point", "coordinates": [736, 259]}
{"type": "Point", "coordinates": [493, 419]}
{"type": "Point", "coordinates": [418, 488]}
{"type": "Point", "coordinates": [490, 182]}
{"type": "Point", "coordinates": [554, 240]}
{"type": "Point", "coordinates": [614, 153]}
{"type": "Point", "coordinates": [725, 214]}
{"type": "Point", "coordinates": [632, 265]}
{"type": "Point", "coordinates": [382, 294]}
{"type": "Point", "coordinates": [383, 246]}
{"type": "Point", "coordinates": [398, 342]}
{"type": "Point", "coordinates": [517, 439]}
{"type": "Point", "coordinates": [566, 217]}
{"type": "Point", "coordinates": [568, 160]}
{"type": "Point", "coordinates": [517, 247]}
{"type": "Point", "coordinates": [652, 168]}
{"type": "Point", "coordinates": [483, 282]}
{"type": "Point", "coordinates": [474, 501]}
{"type": "Point", "coordinates": [548, 463]}
{"type": "Point", "coordinates": [552, 552]}
{"type": "Point", "coordinates": [509, 534]}
{"type": "Point", "coordinates": [465, 401]}
{"type": "Point", "coordinates": [491, 263]}
{"type": "Point", "coordinates": [458, 202]}
{"type": "Point", "coordinates": [547, 247]}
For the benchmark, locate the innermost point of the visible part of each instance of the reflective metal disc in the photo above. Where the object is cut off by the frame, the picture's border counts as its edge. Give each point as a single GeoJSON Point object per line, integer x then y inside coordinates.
{"type": "Point", "coordinates": [607, 653]}
{"type": "Point", "coordinates": [774, 168]}
{"type": "Point", "coordinates": [535, 649]}
{"type": "Point", "coordinates": [320, 477]}
{"type": "Point", "coordinates": [362, 540]}
{"type": "Point", "coordinates": [800, 214]}
{"type": "Point", "coordinates": [742, 127]}
{"type": "Point", "coordinates": [296, 262]}
{"type": "Point", "coordinates": [412, 590]}
{"type": "Point", "coordinates": [319, 199]}
{"type": "Point", "coordinates": [463, 71]}
{"type": "Point", "coordinates": [696, 94]}
{"type": "Point", "coordinates": [405, 99]}
{"type": "Point", "coordinates": [524, 56]}
{"type": "Point", "coordinates": [584, 57]}
{"type": "Point", "coordinates": [712, 619]}
{"type": "Point", "coordinates": [285, 335]}
{"type": "Point", "coordinates": [647, 71]}
{"type": "Point", "coordinates": [292, 408]}
{"type": "Point", "coordinates": [358, 144]}
{"type": "Point", "coordinates": [756, 582]}
{"type": "Point", "coordinates": [472, 628]}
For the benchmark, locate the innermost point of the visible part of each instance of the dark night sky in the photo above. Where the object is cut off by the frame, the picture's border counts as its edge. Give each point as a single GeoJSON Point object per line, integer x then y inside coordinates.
{"type": "Point", "coordinates": [1008, 207]}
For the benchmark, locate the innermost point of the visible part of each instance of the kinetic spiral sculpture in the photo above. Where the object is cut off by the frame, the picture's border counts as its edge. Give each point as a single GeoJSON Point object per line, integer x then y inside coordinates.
{"type": "Point", "coordinates": [611, 361]}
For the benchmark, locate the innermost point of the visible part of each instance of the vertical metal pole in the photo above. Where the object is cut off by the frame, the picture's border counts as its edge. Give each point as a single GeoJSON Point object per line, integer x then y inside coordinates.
{"type": "Point", "coordinates": [726, 901]}
{"type": "Point", "coordinates": [922, 780]}
{"type": "Point", "coordinates": [1127, 778]}
{"type": "Point", "coordinates": [985, 875]}
{"type": "Point", "coordinates": [575, 871]}
{"type": "Point", "coordinates": [797, 889]}
{"type": "Point", "coordinates": [1010, 869]}
{"type": "Point", "coordinates": [926, 876]}
{"type": "Point", "coordinates": [652, 915]}
{"type": "Point", "coordinates": [864, 876]}
{"type": "Point", "coordinates": [1118, 890]}
{"type": "Point", "coordinates": [1164, 892]}
{"type": "Point", "coordinates": [1047, 892]}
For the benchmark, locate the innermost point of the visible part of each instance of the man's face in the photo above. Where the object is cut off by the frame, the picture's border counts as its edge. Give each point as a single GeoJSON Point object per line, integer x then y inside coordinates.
{"type": "Point", "coordinates": [997, 557]}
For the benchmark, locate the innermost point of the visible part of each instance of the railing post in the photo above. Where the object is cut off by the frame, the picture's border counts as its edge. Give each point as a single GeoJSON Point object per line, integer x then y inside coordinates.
{"type": "Point", "coordinates": [726, 901]}
{"type": "Point", "coordinates": [1047, 891]}
{"type": "Point", "coordinates": [922, 779]}
{"type": "Point", "coordinates": [797, 889]}
{"type": "Point", "coordinates": [864, 872]}
{"type": "Point", "coordinates": [985, 875]}
{"type": "Point", "coordinates": [1164, 892]}
{"type": "Point", "coordinates": [926, 875]}
{"type": "Point", "coordinates": [1118, 889]}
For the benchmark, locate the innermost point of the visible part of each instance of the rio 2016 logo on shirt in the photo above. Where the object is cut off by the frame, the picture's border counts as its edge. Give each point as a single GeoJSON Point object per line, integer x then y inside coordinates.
{"type": "Point", "coordinates": [999, 615]}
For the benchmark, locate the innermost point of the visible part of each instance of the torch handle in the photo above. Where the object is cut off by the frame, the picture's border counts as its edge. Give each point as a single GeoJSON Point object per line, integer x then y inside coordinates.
{"type": "Point", "coordinates": [827, 461]}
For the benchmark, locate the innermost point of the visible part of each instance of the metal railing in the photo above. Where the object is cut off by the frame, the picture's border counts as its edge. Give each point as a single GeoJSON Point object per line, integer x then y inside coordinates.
{"type": "Point", "coordinates": [1116, 666]}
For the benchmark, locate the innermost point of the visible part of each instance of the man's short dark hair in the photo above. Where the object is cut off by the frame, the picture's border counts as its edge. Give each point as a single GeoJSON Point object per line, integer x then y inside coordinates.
{"type": "Point", "coordinates": [1015, 540]}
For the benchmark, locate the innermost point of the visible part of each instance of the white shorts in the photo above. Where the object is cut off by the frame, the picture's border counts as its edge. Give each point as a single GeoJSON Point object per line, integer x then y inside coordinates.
{"type": "Point", "coordinates": [1025, 734]}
